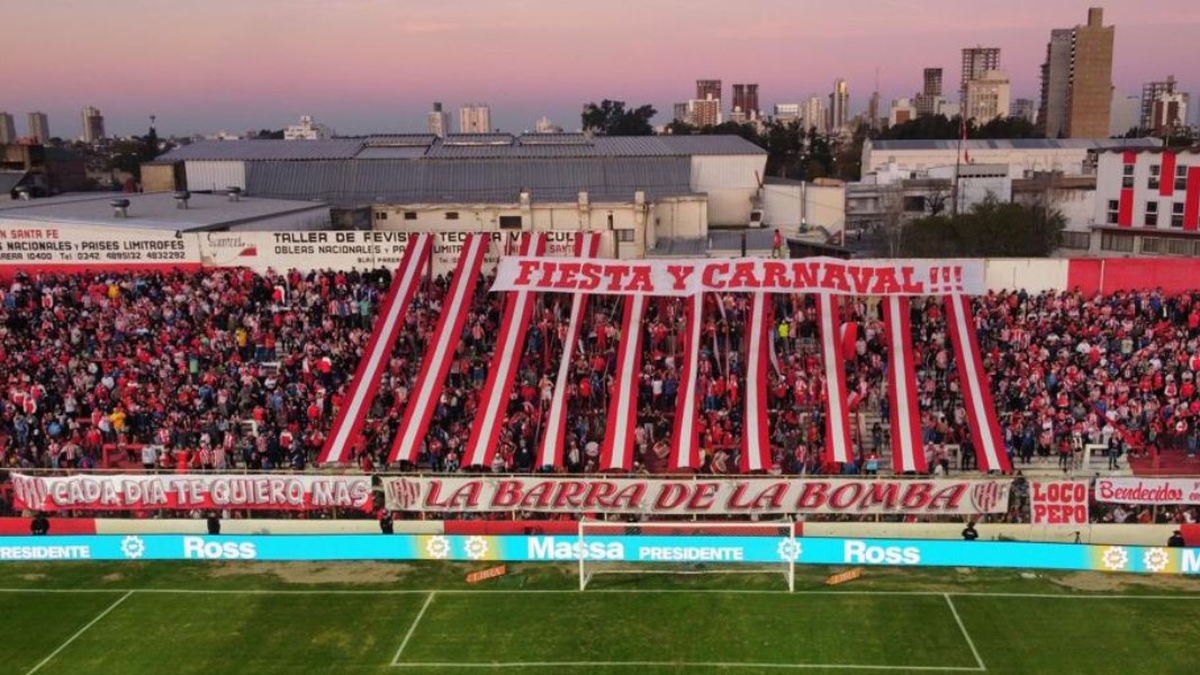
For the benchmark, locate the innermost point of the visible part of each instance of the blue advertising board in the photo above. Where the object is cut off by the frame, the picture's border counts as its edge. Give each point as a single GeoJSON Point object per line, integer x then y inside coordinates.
{"type": "Point", "coordinates": [618, 548]}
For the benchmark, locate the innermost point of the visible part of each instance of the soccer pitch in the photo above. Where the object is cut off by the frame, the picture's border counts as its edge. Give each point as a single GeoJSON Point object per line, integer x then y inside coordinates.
{"type": "Point", "coordinates": [410, 619]}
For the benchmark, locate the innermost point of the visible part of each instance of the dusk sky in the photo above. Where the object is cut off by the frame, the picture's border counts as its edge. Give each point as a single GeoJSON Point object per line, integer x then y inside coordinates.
{"type": "Point", "coordinates": [376, 65]}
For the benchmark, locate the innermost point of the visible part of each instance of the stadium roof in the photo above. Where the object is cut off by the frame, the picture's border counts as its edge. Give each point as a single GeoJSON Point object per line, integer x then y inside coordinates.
{"type": "Point", "coordinates": [155, 211]}
{"type": "Point", "coordinates": [498, 180]}
{"type": "Point", "coordinates": [463, 146]}
{"type": "Point", "coordinates": [1019, 144]}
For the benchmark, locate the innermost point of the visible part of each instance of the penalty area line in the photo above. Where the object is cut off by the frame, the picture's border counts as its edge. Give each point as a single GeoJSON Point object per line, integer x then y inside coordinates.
{"type": "Point", "coordinates": [81, 631]}
{"type": "Point", "coordinates": [413, 628]}
{"type": "Point", "coordinates": [962, 627]}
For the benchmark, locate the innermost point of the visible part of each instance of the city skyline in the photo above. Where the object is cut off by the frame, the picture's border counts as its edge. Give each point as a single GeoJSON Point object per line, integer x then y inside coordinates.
{"type": "Point", "coordinates": [376, 65]}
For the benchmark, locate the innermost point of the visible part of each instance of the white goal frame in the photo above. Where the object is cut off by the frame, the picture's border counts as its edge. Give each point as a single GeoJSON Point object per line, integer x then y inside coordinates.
{"type": "Point", "coordinates": [785, 529]}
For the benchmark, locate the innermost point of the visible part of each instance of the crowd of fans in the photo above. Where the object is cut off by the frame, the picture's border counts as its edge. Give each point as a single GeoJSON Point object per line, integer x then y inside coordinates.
{"type": "Point", "coordinates": [226, 369]}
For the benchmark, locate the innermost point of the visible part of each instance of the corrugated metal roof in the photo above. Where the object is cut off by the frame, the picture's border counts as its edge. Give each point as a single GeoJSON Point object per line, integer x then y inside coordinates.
{"type": "Point", "coordinates": [554, 139]}
{"type": "Point", "coordinates": [1018, 144]}
{"type": "Point", "coordinates": [467, 146]}
{"type": "Point", "coordinates": [392, 152]}
{"type": "Point", "coordinates": [478, 139]}
{"type": "Point", "coordinates": [710, 145]}
{"type": "Point", "coordinates": [399, 140]}
{"type": "Point", "coordinates": [443, 151]}
{"type": "Point", "coordinates": [255, 150]}
{"type": "Point", "coordinates": [486, 181]}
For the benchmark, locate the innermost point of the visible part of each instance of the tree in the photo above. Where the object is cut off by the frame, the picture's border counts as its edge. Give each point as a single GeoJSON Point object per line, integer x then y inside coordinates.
{"type": "Point", "coordinates": [785, 147]}
{"type": "Point", "coordinates": [610, 118]}
{"type": "Point", "coordinates": [990, 229]}
{"type": "Point", "coordinates": [267, 134]}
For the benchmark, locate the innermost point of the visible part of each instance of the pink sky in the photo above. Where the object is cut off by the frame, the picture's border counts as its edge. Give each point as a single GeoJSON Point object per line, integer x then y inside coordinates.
{"type": "Point", "coordinates": [375, 65]}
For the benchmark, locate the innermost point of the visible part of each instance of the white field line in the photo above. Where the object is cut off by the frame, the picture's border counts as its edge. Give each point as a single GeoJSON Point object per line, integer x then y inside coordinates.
{"type": "Point", "coordinates": [81, 631]}
{"type": "Point", "coordinates": [965, 634]}
{"type": "Point", "coordinates": [647, 591]}
{"type": "Point", "coordinates": [684, 664]}
{"type": "Point", "coordinates": [413, 628]}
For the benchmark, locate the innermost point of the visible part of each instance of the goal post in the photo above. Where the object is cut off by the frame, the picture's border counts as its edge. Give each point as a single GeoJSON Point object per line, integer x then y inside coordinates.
{"type": "Point", "coordinates": [687, 548]}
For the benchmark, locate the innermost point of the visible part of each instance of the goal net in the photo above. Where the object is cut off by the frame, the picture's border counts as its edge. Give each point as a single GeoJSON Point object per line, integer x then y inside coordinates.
{"type": "Point", "coordinates": [687, 548]}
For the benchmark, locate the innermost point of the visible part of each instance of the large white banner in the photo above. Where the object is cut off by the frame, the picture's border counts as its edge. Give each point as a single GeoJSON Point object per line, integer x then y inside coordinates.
{"type": "Point", "coordinates": [131, 492]}
{"type": "Point", "coordinates": [714, 496]}
{"type": "Point", "coordinates": [37, 244]}
{"type": "Point", "coordinates": [342, 250]}
{"type": "Point", "coordinates": [1158, 491]}
{"type": "Point", "coordinates": [747, 275]}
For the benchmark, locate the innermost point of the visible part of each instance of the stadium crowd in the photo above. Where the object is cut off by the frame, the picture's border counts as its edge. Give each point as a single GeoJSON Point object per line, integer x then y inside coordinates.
{"type": "Point", "coordinates": [227, 369]}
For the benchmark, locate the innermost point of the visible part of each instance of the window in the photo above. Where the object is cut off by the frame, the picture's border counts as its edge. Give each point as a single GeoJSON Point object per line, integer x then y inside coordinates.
{"type": "Point", "coordinates": [1153, 245]}
{"type": "Point", "coordinates": [1151, 214]}
{"type": "Point", "coordinates": [1155, 172]}
{"type": "Point", "coordinates": [1114, 207]}
{"type": "Point", "coordinates": [1078, 240]}
{"type": "Point", "coordinates": [410, 215]}
{"type": "Point", "coordinates": [915, 204]}
{"type": "Point", "coordinates": [381, 215]}
{"type": "Point", "coordinates": [1127, 178]}
{"type": "Point", "coordinates": [1181, 177]}
{"type": "Point", "coordinates": [1116, 242]}
{"type": "Point", "coordinates": [452, 215]}
{"type": "Point", "coordinates": [510, 222]}
{"type": "Point", "coordinates": [1179, 246]}
{"type": "Point", "coordinates": [1177, 215]}
{"type": "Point", "coordinates": [625, 235]}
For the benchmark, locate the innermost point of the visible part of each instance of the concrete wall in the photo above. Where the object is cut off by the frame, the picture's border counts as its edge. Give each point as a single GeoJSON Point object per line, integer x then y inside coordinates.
{"type": "Point", "coordinates": [730, 181]}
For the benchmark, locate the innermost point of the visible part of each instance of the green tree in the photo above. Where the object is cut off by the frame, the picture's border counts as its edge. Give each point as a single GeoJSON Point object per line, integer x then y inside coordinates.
{"type": "Point", "coordinates": [610, 118]}
{"type": "Point", "coordinates": [785, 148]}
{"type": "Point", "coordinates": [990, 229]}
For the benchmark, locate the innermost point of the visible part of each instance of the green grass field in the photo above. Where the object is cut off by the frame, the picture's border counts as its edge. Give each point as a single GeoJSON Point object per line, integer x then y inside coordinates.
{"type": "Point", "coordinates": [411, 619]}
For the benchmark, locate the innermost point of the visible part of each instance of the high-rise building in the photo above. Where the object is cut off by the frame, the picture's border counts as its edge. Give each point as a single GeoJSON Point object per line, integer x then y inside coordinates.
{"type": "Point", "coordinates": [1056, 83]}
{"type": "Point", "coordinates": [987, 97]}
{"type": "Point", "coordinates": [873, 111]}
{"type": "Point", "coordinates": [475, 118]}
{"type": "Point", "coordinates": [438, 122]}
{"type": "Point", "coordinates": [1024, 108]}
{"type": "Point", "coordinates": [745, 99]}
{"type": "Point", "coordinates": [785, 113]}
{"type": "Point", "coordinates": [8, 129]}
{"type": "Point", "coordinates": [1077, 80]}
{"type": "Point", "coordinates": [839, 105]}
{"type": "Point", "coordinates": [39, 127]}
{"type": "Point", "coordinates": [975, 62]}
{"type": "Point", "coordinates": [1169, 113]}
{"type": "Point", "coordinates": [704, 112]}
{"type": "Point", "coordinates": [931, 93]}
{"type": "Point", "coordinates": [681, 112]}
{"type": "Point", "coordinates": [93, 125]}
{"type": "Point", "coordinates": [1151, 91]}
{"type": "Point", "coordinates": [814, 114]}
{"type": "Point", "coordinates": [708, 89]}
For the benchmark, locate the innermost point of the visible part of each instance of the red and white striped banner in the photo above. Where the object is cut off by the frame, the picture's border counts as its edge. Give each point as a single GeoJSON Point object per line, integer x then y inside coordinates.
{"type": "Point", "coordinates": [977, 395]}
{"type": "Point", "coordinates": [756, 437]}
{"type": "Point", "coordinates": [349, 422]}
{"type": "Point", "coordinates": [685, 436]}
{"type": "Point", "coordinates": [837, 418]}
{"type": "Point", "coordinates": [510, 345]}
{"type": "Point", "coordinates": [907, 452]}
{"type": "Point", "coordinates": [550, 451]}
{"type": "Point", "coordinates": [436, 364]}
{"type": "Point", "coordinates": [617, 454]}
